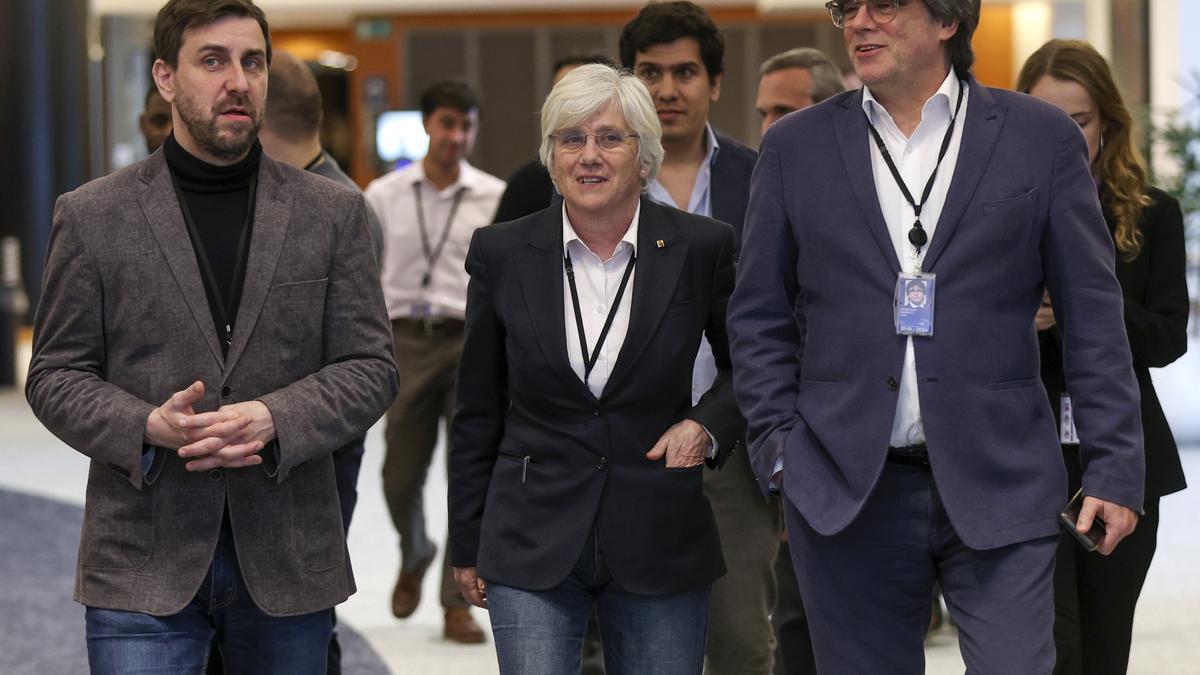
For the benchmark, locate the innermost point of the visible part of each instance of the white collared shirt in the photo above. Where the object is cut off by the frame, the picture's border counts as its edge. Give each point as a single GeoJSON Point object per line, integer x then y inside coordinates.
{"type": "Point", "coordinates": [597, 282]}
{"type": "Point", "coordinates": [404, 263]}
{"type": "Point", "coordinates": [915, 158]}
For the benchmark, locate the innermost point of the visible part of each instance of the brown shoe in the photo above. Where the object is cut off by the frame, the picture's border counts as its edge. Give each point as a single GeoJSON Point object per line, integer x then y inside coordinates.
{"type": "Point", "coordinates": [461, 627]}
{"type": "Point", "coordinates": [407, 594]}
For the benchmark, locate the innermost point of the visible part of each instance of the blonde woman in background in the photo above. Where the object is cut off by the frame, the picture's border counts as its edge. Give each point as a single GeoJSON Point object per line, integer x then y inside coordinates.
{"type": "Point", "coordinates": [1095, 595]}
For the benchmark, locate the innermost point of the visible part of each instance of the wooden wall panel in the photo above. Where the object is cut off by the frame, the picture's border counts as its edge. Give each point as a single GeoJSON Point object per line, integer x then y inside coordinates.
{"type": "Point", "coordinates": [309, 44]}
{"type": "Point", "coordinates": [728, 113]}
{"type": "Point", "coordinates": [993, 43]}
{"type": "Point", "coordinates": [508, 134]}
{"type": "Point", "coordinates": [376, 85]}
{"type": "Point", "coordinates": [1130, 53]}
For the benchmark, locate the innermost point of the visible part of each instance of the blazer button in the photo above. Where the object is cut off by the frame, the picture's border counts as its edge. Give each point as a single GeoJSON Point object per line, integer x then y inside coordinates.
{"type": "Point", "coordinates": [226, 391]}
{"type": "Point", "coordinates": [892, 383]}
{"type": "Point", "coordinates": [214, 475]}
{"type": "Point", "coordinates": [596, 413]}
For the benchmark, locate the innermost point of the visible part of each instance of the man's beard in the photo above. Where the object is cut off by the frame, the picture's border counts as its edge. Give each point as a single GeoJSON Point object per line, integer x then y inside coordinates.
{"type": "Point", "coordinates": [203, 128]}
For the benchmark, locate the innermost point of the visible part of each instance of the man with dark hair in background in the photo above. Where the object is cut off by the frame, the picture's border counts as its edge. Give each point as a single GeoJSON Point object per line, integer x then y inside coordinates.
{"type": "Point", "coordinates": [790, 81]}
{"type": "Point", "coordinates": [529, 188]}
{"type": "Point", "coordinates": [677, 51]}
{"type": "Point", "coordinates": [429, 211]}
{"type": "Point", "coordinates": [793, 80]}
{"type": "Point", "coordinates": [907, 461]}
{"type": "Point", "coordinates": [291, 133]}
{"type": "Point", "coordinates": [210, 331]}
{"type": "Point", "coordinates": [155, 119]}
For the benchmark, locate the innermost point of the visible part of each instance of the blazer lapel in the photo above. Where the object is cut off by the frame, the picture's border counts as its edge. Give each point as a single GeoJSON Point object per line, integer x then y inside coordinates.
{"type": "Point", "coordinates": [657, 275]}
{"type": "Point", "coordinates": [272, 208]}
{"type": "Point", "coordinates": [850, 125]}
{"type": "Point", "coordinates": [540, 272]}
{"type": "Point", "coordinates": [161, 208]}
{"type": "Point", "coordinates": [982, 127]}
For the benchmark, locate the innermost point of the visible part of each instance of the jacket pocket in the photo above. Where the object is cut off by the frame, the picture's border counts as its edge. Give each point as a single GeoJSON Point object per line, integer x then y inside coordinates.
{"type": "Point", "coordinates": [1014, 384]}
{"type": "Point", "coordinates": [1022, 203]}
{"type": "Point", "coordinates": [523, 460]}
{"type": "Point", "coordinates": [119, 526]}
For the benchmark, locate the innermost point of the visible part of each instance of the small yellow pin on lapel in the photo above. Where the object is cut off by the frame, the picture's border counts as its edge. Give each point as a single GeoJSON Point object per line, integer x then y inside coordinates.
{"type": "Point", "coordinates": [661, 243]}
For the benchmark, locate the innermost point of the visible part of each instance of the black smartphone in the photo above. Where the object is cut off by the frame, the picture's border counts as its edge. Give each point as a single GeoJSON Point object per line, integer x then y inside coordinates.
{"type": "Point", "coordinates": [1070, 515]}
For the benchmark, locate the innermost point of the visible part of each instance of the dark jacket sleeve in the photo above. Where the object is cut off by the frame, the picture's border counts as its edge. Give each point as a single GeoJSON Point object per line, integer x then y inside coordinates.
{"type": "Point", "coordinates": [478, 422]}
{"type": "Point", "coordinates": [717, 409]}
{"type": "Point", "coordinates": [66, 386]}
{"type": "Point", "coordinates": [1156, 321]}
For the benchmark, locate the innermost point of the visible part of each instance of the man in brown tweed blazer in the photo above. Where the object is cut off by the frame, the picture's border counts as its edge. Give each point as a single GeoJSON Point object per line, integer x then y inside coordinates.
{"type": "Point", "coordinates": [211, 330]}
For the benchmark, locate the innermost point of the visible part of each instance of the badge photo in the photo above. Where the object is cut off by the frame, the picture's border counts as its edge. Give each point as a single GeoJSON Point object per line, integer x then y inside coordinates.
{"type": "Point", "coordinates": [913, 304]}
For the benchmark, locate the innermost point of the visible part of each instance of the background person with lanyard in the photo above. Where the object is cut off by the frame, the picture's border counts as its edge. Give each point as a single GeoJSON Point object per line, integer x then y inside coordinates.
{"type": "Point", "coordinates": [429, 210]}
{"type": "Point", "coordinates": [1094, 595]}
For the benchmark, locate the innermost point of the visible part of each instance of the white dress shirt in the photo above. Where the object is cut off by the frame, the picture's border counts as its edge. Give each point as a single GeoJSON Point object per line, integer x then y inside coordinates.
{"type": "Point", "coordinates": [915, 158]}
{"type": "Point", "coordinates": [404, 263]}
{"type": "Point", "coordinates": [597, 282]}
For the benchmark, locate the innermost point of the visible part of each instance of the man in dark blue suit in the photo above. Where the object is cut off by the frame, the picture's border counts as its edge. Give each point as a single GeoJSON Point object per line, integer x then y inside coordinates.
{"type": "Point", "coordinates": [677, 51]}
{"type": "Point", "coordinates": [915, 455]}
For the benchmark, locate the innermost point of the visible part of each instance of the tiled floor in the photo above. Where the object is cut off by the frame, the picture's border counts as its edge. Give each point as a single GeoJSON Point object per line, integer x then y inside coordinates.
{"type": "Point", "coordinates": [31, 460]}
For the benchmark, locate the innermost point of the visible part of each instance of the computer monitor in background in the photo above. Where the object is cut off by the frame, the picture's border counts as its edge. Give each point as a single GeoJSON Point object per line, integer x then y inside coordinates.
{"type": "Point", "coordinates": [400, 138]}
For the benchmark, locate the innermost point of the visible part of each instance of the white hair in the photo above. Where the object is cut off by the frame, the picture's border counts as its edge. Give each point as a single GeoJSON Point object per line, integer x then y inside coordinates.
{"type": "Point", "coordinates": [589, 89]}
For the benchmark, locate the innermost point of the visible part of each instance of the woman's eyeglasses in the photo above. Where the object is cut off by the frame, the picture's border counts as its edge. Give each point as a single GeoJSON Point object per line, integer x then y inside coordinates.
{"type": "Point", "coordinates": [573, 140]}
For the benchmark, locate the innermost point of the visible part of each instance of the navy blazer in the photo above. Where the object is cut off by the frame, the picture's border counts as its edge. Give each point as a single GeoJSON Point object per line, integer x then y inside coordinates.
{"type": "Point", "coordinates": [538, 460]}
{"type": "Point", "coordinates": [730, 181]}
{"type": "Point", "coordinates": [1021, 215]}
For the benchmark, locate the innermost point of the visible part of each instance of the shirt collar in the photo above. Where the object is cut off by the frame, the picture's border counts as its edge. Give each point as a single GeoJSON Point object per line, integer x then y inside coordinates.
{"type": "Point", "coordinates": [713, 146]}
{"type": "Point", "coordinates": [468, 176]}
{"type": "Point", "coordinates": [943, 101]}
{"type": "Point", "coordinates": [569, 235]}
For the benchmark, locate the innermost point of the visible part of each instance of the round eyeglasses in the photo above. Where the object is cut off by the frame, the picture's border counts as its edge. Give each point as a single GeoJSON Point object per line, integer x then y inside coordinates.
{"type": "Point", "coordinates": [573, 140]}
{"type": "Point", "coordinates": [880, 11]}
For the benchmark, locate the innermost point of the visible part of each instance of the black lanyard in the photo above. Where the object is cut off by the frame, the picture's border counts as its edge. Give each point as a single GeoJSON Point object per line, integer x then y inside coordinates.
{"type": "Point", "coordinates": [431, 256]}
{"type": "Point", "coordinates": [590, 362]}
{"type": "Point", "coordinates": [223, 305]}
{"type": "Point", "coordinates": [916, 235]}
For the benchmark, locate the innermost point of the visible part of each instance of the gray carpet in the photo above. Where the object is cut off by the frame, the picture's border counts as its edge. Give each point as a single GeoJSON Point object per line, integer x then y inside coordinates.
{"type": "Point", "coordinates": [42, 627]}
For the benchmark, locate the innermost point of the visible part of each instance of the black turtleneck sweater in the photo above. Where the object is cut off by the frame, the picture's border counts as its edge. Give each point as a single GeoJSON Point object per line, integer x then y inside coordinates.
{"type": "Point", "coordinates": [218, 199]}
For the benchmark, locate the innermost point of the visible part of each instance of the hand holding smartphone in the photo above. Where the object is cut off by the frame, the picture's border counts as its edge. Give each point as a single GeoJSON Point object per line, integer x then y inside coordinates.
{"type": "Point", "coordinates": [1069, 516]}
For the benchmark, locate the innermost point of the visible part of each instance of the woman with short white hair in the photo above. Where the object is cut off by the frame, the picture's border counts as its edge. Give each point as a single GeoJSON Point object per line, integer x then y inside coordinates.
{"type": "Point", "coordinates": [576, 469]}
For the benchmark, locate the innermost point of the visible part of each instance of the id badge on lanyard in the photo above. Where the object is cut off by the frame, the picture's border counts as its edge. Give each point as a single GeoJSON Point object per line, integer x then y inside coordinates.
{"type": "Point", "coordinates": [1066, 422]}
{"type": "Point", "coordinates": [913, 303]}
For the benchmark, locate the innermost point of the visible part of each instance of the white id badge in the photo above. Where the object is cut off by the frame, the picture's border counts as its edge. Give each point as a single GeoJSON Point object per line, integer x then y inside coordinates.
{"type": "Point", "coordinates": [913, 304]}
{"type": "Point", "coordinates": [1066, 425]}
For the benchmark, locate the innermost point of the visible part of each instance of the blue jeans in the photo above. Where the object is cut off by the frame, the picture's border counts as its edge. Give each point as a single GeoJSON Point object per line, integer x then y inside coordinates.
{"type": "Point", "coordinates": [122, 642]}
{"type": "Point", "coordinates": [541, 632]}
